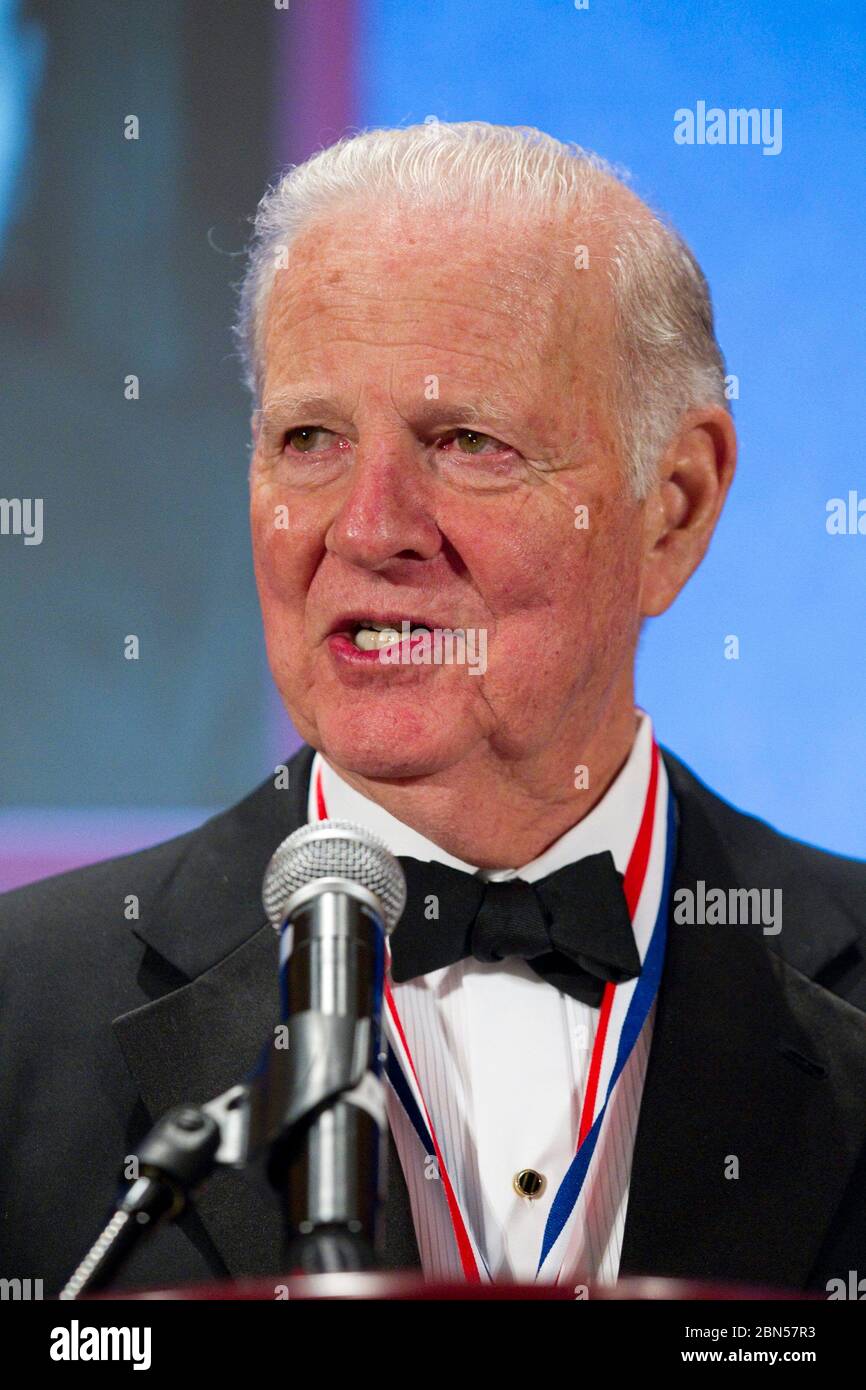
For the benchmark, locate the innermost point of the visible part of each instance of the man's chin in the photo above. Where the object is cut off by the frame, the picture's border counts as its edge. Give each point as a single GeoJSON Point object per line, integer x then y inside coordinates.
{"type": "Point", "coordinates": [388, 749]}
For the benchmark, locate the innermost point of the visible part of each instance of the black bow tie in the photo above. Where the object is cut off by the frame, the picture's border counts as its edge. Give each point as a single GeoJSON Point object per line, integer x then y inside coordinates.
{"type": "Point", "coordinates": [572, 927]}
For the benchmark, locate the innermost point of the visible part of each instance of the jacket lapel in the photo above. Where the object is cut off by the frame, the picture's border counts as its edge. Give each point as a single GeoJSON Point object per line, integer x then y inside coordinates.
{"type": "Point", "coordinates": [198, 1040]}
{"type": "Point", "coordinates": [752, 1116]}
{"type": "Point", "coordinates": [195, 1043]}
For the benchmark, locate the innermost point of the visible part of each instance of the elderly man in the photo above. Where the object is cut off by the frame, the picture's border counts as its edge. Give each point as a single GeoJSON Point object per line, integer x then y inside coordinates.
{"type": "Point", "coordinates": [490, 439]}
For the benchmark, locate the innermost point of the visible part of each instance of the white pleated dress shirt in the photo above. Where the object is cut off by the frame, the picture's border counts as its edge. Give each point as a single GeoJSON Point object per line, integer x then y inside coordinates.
{"type": "Point", "coordinates": [502, 1059]}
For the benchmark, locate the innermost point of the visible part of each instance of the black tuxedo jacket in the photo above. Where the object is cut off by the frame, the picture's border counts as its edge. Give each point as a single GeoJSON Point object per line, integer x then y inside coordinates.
{"type": "Point", "coordinates": [758, 1054]}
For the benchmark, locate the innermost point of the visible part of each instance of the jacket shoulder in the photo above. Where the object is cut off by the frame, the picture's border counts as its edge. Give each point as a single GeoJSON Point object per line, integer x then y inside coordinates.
{"type": "Point", "coordinates": [822, 895]}
{"type": "Point", "coordinates": [92, 908]}
{"type": "Point", "coordinates": [758, 842]}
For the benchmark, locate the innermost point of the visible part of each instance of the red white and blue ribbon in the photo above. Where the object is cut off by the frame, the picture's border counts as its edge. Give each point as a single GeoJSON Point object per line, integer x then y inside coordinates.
{"type": "Point", "coordinates": [623, 1012]}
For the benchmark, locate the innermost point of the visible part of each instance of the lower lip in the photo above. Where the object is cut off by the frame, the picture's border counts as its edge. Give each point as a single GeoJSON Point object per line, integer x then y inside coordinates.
{"type": "Point", "coordinates": [343, 648]}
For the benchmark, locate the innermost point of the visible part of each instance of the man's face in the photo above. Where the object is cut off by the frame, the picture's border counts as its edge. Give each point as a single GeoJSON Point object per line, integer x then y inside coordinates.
{"type": "Point", "coordinates": [435, 418]}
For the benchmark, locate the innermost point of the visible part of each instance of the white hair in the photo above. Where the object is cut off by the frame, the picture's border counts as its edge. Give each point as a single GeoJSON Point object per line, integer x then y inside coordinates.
{"type": "Point", "coordinates": [667, 358]}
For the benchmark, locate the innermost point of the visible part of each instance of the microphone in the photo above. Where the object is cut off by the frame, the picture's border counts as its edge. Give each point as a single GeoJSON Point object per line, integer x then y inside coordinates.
{"type": "Point", "coordinates": [334, 892]}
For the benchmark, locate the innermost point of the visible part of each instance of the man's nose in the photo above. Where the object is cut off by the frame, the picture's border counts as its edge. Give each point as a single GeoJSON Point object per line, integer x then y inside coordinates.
{"type": "Point", "coordinates": [386, 513]}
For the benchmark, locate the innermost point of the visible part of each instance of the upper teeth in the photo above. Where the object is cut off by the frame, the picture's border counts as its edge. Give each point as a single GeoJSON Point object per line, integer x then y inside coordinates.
{"type": "Point", "coordinates": [371, 636]}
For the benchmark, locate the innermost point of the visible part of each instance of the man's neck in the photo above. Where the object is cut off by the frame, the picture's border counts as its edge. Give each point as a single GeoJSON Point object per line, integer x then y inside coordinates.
{"type": "Point", "coordinates": [501, 817]}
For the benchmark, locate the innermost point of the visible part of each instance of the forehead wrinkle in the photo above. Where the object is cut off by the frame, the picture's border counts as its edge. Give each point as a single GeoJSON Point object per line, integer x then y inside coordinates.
{"type": "Point", "coordinates": [539, 304]}
{"type": "Point", "coordinates": [502, 243]}
{"type": "Point", "coordinates": [505, 367]}
{"type": "Point", "coordinates": [503, 351]}
{"type": "Point", "coordinates": [343, 276]}
{"type": "Point", "coordinates": [391, 313]}
{"type": "Point", "coordinates": [490, 326]}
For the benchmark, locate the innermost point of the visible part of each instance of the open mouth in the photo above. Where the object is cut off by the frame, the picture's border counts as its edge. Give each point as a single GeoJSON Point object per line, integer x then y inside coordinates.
{"type": "Point", "coordinates": [370, 636]}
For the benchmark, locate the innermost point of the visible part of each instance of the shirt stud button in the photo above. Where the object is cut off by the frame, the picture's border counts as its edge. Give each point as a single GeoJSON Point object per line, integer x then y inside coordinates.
{"type": "Point", "coordinates": [529, 1184]}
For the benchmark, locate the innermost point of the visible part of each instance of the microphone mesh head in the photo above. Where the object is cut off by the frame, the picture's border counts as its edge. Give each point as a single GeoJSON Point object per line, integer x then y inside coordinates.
{"type": "Point", "coordinates": [334, 849]}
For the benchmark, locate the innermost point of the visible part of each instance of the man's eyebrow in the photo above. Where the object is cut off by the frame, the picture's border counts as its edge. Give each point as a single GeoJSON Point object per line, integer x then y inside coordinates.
{"type": "Point", "coordinates": [297, 405]}
{"type": "Point", "coordinates": [309, 406]}
{"type": "Point", "coordinates": [477, 410]}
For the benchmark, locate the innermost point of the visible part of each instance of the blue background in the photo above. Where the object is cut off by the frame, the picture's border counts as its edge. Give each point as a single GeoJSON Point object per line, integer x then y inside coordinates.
{"type": "Point", "coordinates": [782, 730]}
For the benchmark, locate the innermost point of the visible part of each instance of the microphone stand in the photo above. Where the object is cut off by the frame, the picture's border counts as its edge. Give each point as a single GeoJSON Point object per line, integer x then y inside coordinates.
{"type": "Point", "coordinates": [177, 1155]}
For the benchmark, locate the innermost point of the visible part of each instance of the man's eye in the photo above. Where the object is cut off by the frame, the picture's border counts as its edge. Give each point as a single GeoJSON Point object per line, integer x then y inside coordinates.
{"type": "Point", "coordinates": [307, 438]}
{"type": "Point", "coordinates": [472, 442]}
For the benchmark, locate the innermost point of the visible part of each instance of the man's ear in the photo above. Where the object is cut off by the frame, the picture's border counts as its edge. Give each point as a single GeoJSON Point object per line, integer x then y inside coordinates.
{"type": "Point", "coordinates": [255, 424]}
{"type": "Point", "coordinates": [682, 510]}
